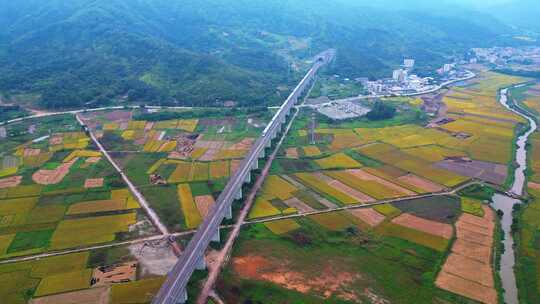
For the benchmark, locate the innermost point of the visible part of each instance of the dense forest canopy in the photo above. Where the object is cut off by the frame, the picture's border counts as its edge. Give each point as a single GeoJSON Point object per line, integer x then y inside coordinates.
{"type": "Point", "coordinates": [203, 52]}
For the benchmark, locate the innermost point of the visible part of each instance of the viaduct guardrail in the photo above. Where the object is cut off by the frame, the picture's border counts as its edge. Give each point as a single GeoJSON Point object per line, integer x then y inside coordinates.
{"type": "Point", "coordinates": [173, 291]}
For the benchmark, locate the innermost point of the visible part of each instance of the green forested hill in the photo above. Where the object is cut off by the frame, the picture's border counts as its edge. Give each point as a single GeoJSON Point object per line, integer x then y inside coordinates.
{"type": "Point", "coordinates": [77, 52]}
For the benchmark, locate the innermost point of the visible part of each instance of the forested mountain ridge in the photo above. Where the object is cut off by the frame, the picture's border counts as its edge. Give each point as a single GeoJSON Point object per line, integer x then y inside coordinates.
{"type": "Point", "coordinates": [90, 52]}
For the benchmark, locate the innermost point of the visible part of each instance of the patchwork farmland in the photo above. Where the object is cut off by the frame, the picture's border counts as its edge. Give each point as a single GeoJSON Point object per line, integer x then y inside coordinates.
{"type": "Point", "coordinates": [350, 212]}
{"type": "Point", "coordinates": [353, 165]}
{"type": "Point", "coordinates": [179, 160]}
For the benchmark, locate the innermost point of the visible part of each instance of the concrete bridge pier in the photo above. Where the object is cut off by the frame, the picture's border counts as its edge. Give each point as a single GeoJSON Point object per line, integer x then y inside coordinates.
{"type": "Point", "coordinates": [228, 214]}
{"type": "Point", "coordinates": [182, 298]}
{"type": "Point", "coordinates": [238, 194]}
{"type": "Point", "coordinates": [248, 178]}
{"type": "Point", "coordinates": [201, 263]}
{"type": "Point", "coordinates": [255, 164]}
{"type": "Point", "coordinates": [216, 237]}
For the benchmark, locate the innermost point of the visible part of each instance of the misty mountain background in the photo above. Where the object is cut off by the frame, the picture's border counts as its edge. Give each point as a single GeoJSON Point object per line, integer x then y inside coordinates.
{"type": "Point", "coordinates": [58, 53]}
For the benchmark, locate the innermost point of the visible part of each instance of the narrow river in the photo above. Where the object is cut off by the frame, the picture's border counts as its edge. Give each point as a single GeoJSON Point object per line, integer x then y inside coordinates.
{"type": "Point", "coordinates": [506, 204]}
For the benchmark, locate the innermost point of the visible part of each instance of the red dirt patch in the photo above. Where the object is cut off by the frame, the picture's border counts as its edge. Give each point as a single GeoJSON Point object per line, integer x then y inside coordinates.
{"type": "Point", "coordinates": [330, 283]}
{"type": "Point", "coordinates": [10, 182]}
{"type": "Point", "coordinates": [368, 216]}
{"type": "Point", "coordinates": [424, 225]}
{"type": "Point", "coordinates": [51, 177]}
{"type": "Point", "coordinates": [534, 185]}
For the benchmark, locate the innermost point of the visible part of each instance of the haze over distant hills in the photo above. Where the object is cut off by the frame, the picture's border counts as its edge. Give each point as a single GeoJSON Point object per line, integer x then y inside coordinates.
{"type": "Point", "coordinates": [71, 53]}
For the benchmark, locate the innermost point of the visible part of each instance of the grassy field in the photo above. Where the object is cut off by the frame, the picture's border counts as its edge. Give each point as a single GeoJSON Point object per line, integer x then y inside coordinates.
{"type": "Point", "coordinates": [357, 265]}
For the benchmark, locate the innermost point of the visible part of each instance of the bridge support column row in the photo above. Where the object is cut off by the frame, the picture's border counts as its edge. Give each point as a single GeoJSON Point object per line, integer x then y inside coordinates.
{"type": "Point", "coordinates": [239, 194]}
{"type": "Point", "coordinates": [248, 178]}
{"type": "Point", "coordinates": [216, 237]}
{"type": "Point", "coordinates": [182, 298]}
{"type": "Point", "coordinates": [228, 214]}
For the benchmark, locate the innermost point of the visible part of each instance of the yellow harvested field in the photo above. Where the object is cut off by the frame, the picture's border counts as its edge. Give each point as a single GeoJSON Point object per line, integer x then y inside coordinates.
{"type": "Point", "coordinates": [311, 151]}
{"type": "Point", "coordinates": [338, 161]}
{"type": "Point", "coordinates": [136, 124]}
{"type": "Point", "coordinates": [13, 212]}
{"type": "Point", "coordinates": [346, 140]}
{"type": "Point", "coordinates": [263, 208]}
{"type": "Point", "coordinates": [187, 124]}
{"type": "Point", "coordinates": [165, 124]}
{"type": "Point", "coordinates": [369, 184]}
{"type": "Point", "coordinates": [5, 241]}
{"type": "Point", "coordinates": [199, 171]}
{"type": "Point", "coordinates": [278, 187]}
{"type": "Point", "coordinates": [282, 226]}
{"type": "Point", "coordinates": [334, 221]}
{"type": "Point", "coordinates": [198, 153]}
{"type": "Point", "coordinates": [433, 153]}
{"type": "Point", "coordinates": [219, 169]}
{"type": "Point", "coordinates": [88, 231]}
{"type": "Point", "coordinates": [141, 291]}
{"type": "Point", "coordinates": [320, 186]}
{"type": "Point", "coordinates": [167, 146]}
{"type": "Point", "coordinates": [128, 135]}
{"type": "Point", "coordinates": [64, 282]}
{"type": "Point", "coordinates": [182, 173]}
{"type": "Point", "coordinates": [412, 235]}
{"type": "Point", "coordinates": [230, 154]}
{"type": "Point", "coordinates": [153, 145]}
{"type": "Point", "coordinates": [59, 264]}
{"type": "Point", "coordinates": [189, 208]}
{"type": "Point", "coordinates": [96, 206]}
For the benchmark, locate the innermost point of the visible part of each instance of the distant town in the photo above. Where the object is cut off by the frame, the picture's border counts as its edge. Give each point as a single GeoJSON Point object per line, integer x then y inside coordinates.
{"type": "Point", "coordinates": [405, 83]}
{"type": "Point", "coordinates": [526, 58]}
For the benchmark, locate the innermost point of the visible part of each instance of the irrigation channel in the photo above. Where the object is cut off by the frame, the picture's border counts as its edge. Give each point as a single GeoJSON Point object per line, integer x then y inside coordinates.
{"type": "Point", "coordinates": [506, 204]}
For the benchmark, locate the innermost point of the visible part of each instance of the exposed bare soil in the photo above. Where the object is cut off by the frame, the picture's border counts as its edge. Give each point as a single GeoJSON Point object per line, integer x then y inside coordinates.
{"type": "Point", "coordinates": [368, 216]}
{"type": "Point", "coordinates": [9, 182]}
{"type": "Point", "coordinates": [431, 227]}
{"type": "Point", "coordinates": [421, 183]}
{"type": "Point", "coordinates": [51, 177]}
{"type": "Point", "coordinates": [329, 283]}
